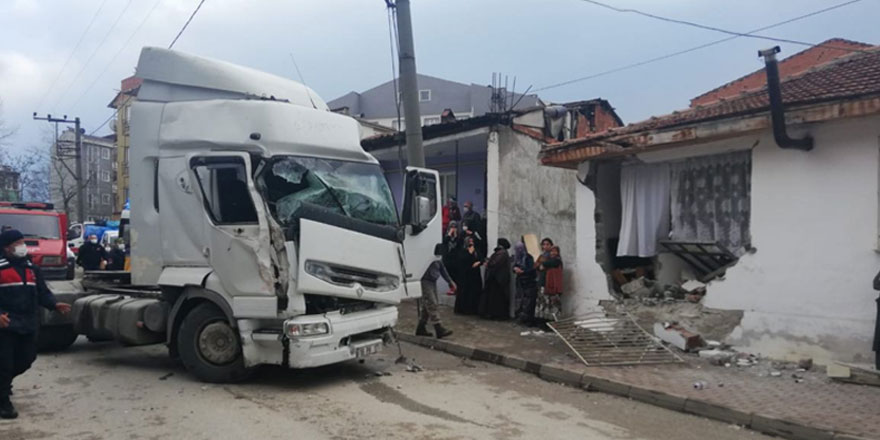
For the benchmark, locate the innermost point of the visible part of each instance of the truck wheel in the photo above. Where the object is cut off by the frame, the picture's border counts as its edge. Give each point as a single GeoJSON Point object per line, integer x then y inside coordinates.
{"type": "Point", "coordinates": [209, 347]}
{"type": "Point", "coordinates": [56, 338]}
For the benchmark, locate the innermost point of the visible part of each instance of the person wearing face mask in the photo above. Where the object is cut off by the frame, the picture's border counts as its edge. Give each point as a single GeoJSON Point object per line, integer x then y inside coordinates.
{"type": "Point", "coordinates": [22, 289]}
{"type": "Point", "coordinates": [91, 254]}
{"type": "Point", "coordinates": [117, 256]}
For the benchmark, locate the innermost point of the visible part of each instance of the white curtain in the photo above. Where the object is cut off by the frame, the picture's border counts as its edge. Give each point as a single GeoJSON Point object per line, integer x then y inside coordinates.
{"type": "Point", "coordinates": [644, 196]}
{"type": "Point", "coordinates": [711, 200]}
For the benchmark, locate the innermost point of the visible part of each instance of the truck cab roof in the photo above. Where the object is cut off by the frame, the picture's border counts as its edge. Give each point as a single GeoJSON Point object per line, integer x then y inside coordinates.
{"type": "Point", "coordinates": [171, 76]}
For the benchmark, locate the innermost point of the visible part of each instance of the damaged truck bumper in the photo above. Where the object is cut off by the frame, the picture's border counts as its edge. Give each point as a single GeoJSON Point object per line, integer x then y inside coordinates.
{"type": "Point", "coordinates": [316, 340]}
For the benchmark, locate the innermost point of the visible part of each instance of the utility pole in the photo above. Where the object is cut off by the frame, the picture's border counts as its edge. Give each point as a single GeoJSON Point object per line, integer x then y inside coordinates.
{"type": "Point", "coordinates": [409, 86]}
{"type": "Point", "coordinates": [77, 155]}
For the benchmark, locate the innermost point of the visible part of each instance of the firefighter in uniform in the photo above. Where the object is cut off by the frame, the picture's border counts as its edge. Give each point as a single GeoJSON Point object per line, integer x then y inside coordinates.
{"type": "Point", "coordinates": [22, 289]}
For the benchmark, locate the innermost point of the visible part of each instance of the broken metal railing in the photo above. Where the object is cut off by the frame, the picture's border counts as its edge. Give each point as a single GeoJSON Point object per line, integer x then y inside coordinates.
{"type": "Point", "coordinates": [598, 339]}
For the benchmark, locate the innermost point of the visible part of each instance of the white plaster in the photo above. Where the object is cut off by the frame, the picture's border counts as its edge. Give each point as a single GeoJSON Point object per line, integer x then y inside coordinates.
{"type": "Point", "coordinates": [493, 162]}
{"type": "Point", "coordinates": [806, 291]}
{"type": "Point", "coordinates": [592, 284]}
{"type": "Point", "coordinates": [814, 223]}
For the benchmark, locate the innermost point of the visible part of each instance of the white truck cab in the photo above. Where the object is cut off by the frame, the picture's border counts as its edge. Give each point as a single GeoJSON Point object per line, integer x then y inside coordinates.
{"type": "Point", "coordinates": [273, 235]}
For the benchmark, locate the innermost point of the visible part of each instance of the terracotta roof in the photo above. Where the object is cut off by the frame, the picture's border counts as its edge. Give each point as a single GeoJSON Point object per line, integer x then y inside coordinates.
{"type": "Point", "coordinates": [796, 64]}
{"type": "Point", "coordinates": [850, 77]}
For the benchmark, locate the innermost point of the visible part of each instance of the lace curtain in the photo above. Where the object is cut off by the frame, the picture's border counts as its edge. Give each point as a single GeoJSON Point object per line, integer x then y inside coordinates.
{"type": "Point", "coordinates": [710, 200]}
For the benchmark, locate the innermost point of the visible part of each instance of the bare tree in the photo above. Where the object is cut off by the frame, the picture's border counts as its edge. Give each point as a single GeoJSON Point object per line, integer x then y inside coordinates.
{"type": "Point", "coordinates": [63, 185]}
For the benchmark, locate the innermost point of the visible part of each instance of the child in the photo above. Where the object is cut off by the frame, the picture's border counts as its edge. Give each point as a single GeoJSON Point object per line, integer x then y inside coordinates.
{"type": "Point", "coordinates": [550, 299]}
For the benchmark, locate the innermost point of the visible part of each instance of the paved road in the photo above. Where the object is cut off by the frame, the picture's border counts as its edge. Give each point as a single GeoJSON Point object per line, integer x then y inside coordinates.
{"type": "Point", "coordinates": [103, 391]}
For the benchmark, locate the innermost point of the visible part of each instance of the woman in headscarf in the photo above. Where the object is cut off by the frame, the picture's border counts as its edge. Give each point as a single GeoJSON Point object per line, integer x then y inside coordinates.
{"type": "Point", "coordinates": [549, 306]}
{"type": "Point", "coordinates": [467, 299]}
{"type": "Point", "coordinates": [526, 284]}
{"type": "Point", "coordinates": [495, 303]}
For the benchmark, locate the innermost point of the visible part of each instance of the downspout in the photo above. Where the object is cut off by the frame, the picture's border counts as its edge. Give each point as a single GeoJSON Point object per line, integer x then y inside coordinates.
{"type": "Point", "coordinates": [777, 112]}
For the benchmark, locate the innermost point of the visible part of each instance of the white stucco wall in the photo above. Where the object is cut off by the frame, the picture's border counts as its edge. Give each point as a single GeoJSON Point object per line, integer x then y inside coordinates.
{"type": "Point", "coordinates": [526, 198]}
{"type": "Point", "coordinates": [591, 281]}
{"type": "Point", "coordinates": [806, 291]}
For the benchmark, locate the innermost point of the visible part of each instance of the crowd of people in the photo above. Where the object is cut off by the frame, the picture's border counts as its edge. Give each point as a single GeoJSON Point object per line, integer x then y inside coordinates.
{"type": "Point", "coordinates": [482, 283]}
{"type": "Point", "coordinates": [93, 256]}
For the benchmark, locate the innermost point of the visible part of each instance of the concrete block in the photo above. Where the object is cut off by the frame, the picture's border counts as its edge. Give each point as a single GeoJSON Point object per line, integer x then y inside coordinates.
{"type": "Point", "coordinates": [657, 398]}
{"type": "Point", "coordinates": [487, 356]}
{"type": "Point", "coordinates": [560, 375]}
{"type": "Point", "coordinates": [532, 367]}
{"type": "Point", "coordinates": [790, 430]}
{"type": "Point", "coordinates": [592, 383]}
{"type": "Point", "coordinates": [459, 350]}
{"type": "Point", "coordinates": [717, 412]}
{"type": "Point", "coordinates": [514, 362]}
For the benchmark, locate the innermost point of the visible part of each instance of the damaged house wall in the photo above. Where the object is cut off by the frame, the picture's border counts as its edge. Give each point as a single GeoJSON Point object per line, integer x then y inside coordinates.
{"type": "Point", "coordinates": [525, 198]}
{"type": "Point", "coordinates": [806, 291]}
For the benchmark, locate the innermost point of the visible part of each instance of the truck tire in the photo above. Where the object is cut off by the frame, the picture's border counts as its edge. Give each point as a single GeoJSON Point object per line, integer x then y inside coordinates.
{"type": "Point", "coordinates": [209, 347]}
{"type": "Point", "coordinates": [56, 338]}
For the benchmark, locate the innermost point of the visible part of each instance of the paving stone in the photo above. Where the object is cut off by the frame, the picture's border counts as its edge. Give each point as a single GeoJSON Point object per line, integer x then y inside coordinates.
{"type": "Point", "coordinates": [560, 375]}
{"type": "Point", "coordinates": [459, 350]}
{"type": "Point", "coordinates": [717, 412]}
{"type": "Point", "coordinates": [658, 398]}
{"type": "Point", "coordinates": [786, 429]}
{"type": "Point", "coordinates": [487, 356]}
{"type": "Point", "coordinates": [606, 386]}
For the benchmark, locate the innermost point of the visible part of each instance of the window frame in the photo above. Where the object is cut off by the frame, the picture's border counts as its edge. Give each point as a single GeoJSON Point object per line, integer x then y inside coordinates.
{"type": "Point", "coordinates": [105, 153]}
{"type": "Point", "coordinates": [420, 95]}
{"type": "Point", "coordinates": [205, 161]}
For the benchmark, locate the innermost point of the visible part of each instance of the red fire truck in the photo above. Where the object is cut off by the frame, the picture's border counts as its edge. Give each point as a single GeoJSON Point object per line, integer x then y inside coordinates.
{"type": "Point", "coordinates": [45, 233]}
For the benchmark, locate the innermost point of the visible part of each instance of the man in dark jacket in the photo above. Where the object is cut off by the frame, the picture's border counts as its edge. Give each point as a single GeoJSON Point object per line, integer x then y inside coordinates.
{"type": "Point", "coordinates": [22, 289]}
{"type": "Point", "coordinates": [117, 256]}
{"type": "Point", "coordinates": [91, 254]}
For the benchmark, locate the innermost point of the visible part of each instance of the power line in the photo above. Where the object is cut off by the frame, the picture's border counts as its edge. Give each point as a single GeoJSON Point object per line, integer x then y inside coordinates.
{"type": "Point", "coordinates": [98, 48]}
{"type": "Point", "coordinates": [124, 46]}
{"type": "Point", "coordinates": [711, 28]}
{"type": "Point", "coordinates": [186, 24]}
{"type": "Point", "coordinates": [692, 49]}
{"type": "Point", "coordinates": [70, 55]}
{"type": "Point", "coordinates": [92, 133]}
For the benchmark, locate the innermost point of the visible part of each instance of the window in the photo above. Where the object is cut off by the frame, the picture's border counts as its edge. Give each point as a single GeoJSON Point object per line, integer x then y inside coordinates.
{"type": "Point", "coordinates": [448, 184]}
{"type": "Point", "coordinates": [105, 176]}
{"type": "Point", "coordinates": [105, 153]}
{"type": "Point", "coordinates": [352, 189]}
{"type": "Point", "coordinates": [42, 226]}
{"type": "Point", "coordinates": [431, 120]}
{"type": "Point", "coordinates": [105, 199]}
{"type": "Point", "coordinates": [224, 185]}
{"type": "Point", "coordinates": [114, 165]}
{"type": "Point", "coordinates": [115, 188]}
{"type": "Point", "coordinates": [424, 95]}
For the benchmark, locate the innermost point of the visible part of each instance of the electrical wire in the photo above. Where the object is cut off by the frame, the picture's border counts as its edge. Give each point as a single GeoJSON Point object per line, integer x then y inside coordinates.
{"type": "Point", "coordinates": [119, 52]}
{"type": "Point", "coordinates": [89, 59]}
{"type": "Point", "coordinates": [92, 133]}
{"type": "Point", "coordinates": [692, 49]}
{"type": "Point", "coordinates": [186, 24]}
{"type": "Point", "coordinates": [70, 55]}
{"type": "Point", "coordinates": [712, 28]}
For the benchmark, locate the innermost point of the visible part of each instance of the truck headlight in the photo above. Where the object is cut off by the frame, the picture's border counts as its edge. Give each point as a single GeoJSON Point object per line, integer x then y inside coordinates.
{"type": "Point", "coordinates": [320, 271]}
{"type": "Point", "coordinates": [52, 260]}
{"type": "Point", "coordinates": [297, 329]}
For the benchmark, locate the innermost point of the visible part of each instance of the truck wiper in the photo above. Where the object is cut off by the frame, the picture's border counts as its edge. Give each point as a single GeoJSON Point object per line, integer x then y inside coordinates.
{"type": "Point", "coordinates": [332, 193]}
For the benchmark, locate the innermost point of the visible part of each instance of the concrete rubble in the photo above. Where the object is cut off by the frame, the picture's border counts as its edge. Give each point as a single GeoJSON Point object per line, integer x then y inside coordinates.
{"type": "Point", "coordinates": [678, 336]}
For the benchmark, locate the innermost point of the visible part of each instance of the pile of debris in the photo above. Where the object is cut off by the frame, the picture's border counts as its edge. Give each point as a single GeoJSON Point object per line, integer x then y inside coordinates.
{"type": "Point", "coordinates": [651, 292]}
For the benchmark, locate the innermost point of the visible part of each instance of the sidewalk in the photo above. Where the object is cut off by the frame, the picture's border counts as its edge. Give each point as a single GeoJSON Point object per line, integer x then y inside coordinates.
{"type": "Point", "coordinates": [815, 408]}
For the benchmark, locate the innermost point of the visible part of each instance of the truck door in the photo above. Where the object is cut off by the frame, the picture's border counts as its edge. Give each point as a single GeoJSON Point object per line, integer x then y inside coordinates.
{"type": "Point", "coordinates": [238, 245]}
{"type": "Point", "coordinates": [424, 224]}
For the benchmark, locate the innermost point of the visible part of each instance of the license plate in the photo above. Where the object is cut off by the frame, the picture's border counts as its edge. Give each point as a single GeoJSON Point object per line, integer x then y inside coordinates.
{"type": "Point", "coordinates": [366, 348]}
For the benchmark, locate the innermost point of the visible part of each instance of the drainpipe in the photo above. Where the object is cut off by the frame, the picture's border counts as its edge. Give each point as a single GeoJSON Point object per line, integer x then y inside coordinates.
{"type": "Point", "coordinates": [777, 112]}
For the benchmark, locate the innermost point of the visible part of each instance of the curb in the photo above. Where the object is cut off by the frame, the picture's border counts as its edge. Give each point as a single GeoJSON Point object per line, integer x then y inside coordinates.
{"type": "Point", "coordinates": [766, 425]}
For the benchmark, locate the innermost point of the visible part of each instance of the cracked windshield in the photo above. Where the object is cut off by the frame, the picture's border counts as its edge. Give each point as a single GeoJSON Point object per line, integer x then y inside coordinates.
{"type": "Point", "coordinates": [353, 189]}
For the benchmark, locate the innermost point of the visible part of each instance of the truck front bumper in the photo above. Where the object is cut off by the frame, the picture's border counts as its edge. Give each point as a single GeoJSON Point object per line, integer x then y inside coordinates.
{"type": "Point", "coordinates": [346, 334]}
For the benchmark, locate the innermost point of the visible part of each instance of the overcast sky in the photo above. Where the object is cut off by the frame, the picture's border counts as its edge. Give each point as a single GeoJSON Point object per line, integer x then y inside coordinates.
{"type": "Point", "coordinates": [342, 45]}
